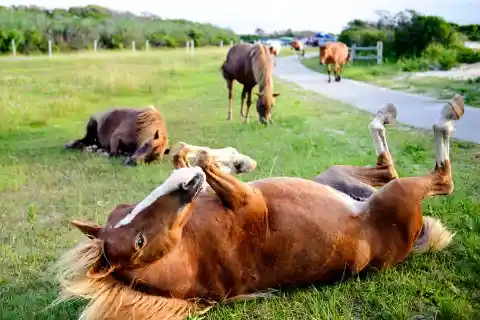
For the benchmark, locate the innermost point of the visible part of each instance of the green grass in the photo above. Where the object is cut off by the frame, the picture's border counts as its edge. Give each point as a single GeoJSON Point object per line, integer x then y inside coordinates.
{"type": "Point", "coordinates": [389, 75]}
{"type": "Point", "coordinates": [45, 103]}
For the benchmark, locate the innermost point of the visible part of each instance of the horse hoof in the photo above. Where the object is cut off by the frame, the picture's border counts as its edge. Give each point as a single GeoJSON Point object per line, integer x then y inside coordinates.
{"type": "Point", "coordinates": [245, 120]}
{"type": "Point", "coordinates": [229, 117]}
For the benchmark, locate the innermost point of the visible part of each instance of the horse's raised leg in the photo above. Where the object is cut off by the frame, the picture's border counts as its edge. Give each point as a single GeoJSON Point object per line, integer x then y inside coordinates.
{"type": "Point", "coordinates": [180, 155]}
{"type": "Point", "coordinates": [90, 138]}
{"type": "Point", "coordinates": [230, 98]}
{"type": "Point", "coordinates": [329, 70]}
{"type": "Point", "coordinates": [234, 194]}
{"type": "Point", "coordinates": [402, 198]}
{"type": "Point", "coordinates": [359, 182]}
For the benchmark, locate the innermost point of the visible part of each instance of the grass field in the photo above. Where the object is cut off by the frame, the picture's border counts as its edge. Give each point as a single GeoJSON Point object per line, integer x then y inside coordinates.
{"type": "Point", "coordinates": [45, 103]}
{"type": "Point", "coordinates": [389, 75]}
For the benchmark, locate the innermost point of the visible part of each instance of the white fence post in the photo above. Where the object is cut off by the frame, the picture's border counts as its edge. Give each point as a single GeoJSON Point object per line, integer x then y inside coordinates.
{"type": "Point", "coordinates": [221, 43]}
{"type": "Point", "coordinates": [50, 48]}
{"type": "Point", "coordinates": [14, 48]}
{"type": "Point", "coordinates": [231, 43]}
{"type": "Point", "coordinates": [352, 53]}
{"type": "Point", "coordinates": [192, 44]}
{"type": "Point", "coordinates": [94, 45]}
{"type": "Point", "coordinates": [147, 44]}
{"type": "Point", "coordinates": [187, 45]}
{"type": "Point", "coordinates": [379, 52]}
{"type": "Point", "coordinates": [133, 47]}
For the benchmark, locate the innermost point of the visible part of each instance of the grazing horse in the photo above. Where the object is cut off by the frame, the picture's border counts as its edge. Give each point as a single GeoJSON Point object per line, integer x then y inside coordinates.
{"type": "Point", "coordinates": [335, 53]}
{"type": "Point", "coordinates": [250, 64]}
{"type": "Point", "coordinates": [298, 47]}
{"type": "Point", "coordinates": [139, 134]}
{"type": "Point", "coordinates": [186, 247]}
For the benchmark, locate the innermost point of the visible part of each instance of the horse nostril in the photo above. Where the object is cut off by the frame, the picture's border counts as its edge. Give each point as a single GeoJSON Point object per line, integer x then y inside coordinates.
{"type": "Point", "coordinates": [130, 162]}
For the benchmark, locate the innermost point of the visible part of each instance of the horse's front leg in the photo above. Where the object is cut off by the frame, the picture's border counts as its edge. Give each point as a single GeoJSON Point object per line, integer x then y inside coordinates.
{"type": "Point", "coordinates": [235, 195]}
{"type": "Point", "coordinates": [329, 70]}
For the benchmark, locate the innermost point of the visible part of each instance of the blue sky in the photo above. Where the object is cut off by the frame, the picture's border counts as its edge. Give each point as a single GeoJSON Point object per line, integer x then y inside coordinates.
{"type": "Point", "coordinates": [246, 15]}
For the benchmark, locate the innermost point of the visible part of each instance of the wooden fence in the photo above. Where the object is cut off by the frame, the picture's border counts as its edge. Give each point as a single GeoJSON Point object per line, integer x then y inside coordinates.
{"type": "Point", "coordinates": [378, 48]}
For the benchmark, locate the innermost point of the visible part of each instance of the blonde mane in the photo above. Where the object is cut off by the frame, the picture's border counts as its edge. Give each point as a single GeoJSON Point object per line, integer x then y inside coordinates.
{"type": "Point", "coordinates": [262, 66]}
{"type": "Point", "coordinates": [149, 120]}
{"type": "Point", "coordinates": [110, 298]}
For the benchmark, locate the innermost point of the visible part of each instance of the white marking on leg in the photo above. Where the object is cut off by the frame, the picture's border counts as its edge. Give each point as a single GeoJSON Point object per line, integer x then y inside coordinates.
{"type": "Point", "coordinates": [176, 178]}
{"type": "Point", "coordinates": [376, 127]}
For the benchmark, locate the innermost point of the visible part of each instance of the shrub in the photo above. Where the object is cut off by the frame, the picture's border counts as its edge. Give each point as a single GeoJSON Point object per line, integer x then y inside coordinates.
{"type": "Point", "coordinates": [440, 57]}
{"type": "Point", "coordinates": [467, 55]}
{"type": "Point", "coordinates": [413, 64]}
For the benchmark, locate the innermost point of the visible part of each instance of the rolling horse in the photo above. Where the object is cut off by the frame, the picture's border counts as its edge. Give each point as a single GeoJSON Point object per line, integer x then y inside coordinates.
{"type": "Point", "coordinates": [138, 134]}
{"type": "Point", "coordinates": [204, 237]}
{"type": "Point", "coordinates": [251, 64]}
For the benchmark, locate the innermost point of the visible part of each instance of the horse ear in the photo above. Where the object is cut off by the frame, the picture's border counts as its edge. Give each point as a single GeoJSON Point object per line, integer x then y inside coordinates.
{"type": "Point", "coordinates": [86, 228]}
{"type": "Point", "coordinates": [276, 94]}
{"type": "Point", "coordinates": [156, 136]}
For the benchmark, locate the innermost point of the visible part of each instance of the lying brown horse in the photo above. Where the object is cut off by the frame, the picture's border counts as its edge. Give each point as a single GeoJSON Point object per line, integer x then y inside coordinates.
{"type": "Point", "coordinates": [139, 134]}
{"type": "Point", "coordinates": [188, 245]}
{"type": "Point", "coordinates": [335, 53]}
{"type": "Point", "coordinates": [298, 47]}
{"type": "Point", "coordinates": [251, 64]}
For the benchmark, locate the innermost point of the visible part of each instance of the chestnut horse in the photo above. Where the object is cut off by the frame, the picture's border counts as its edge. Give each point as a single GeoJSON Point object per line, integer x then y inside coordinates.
{"type": "Point", "coordinates": [184, 248]}
{"type": "Point", "coordinates": [298, 47]}
{"type": "Point", "coordinates": [335, 53]}
{"type": "Point", "coordinates": [138, 134]}
{"type": "Point", "coordinates": [251, 64]}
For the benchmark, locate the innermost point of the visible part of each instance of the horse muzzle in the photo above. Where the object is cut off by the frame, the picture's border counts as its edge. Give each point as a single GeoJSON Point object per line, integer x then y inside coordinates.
{"type": "Point", "coordinates": [130, 162]}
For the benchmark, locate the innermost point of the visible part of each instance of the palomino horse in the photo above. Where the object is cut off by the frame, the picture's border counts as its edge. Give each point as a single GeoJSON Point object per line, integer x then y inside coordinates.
{"type": "Point", "coordinates": [335, 53]}
{"type": "Point", "coordinates": [298, 47]}
{"type": "Point", "coordinates": [250, 64]}
{"type": "Point", "coordinates": [139, 134]}
{"type": "Point", "coordinates": [184, 247]}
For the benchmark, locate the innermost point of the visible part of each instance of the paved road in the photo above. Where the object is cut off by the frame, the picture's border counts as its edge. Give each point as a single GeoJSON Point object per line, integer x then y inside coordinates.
{"type": "Point", "coordinates": [415, 110]}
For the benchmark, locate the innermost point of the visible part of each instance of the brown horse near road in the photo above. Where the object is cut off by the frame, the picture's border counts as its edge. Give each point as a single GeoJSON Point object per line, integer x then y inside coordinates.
{"type": "Point", "coordinates": [298, 47]}
{"type": "Point", "coordinates": [251, 64]}
{"type": "Point", "coordinates": [335, 53]}
{"type": "Point", "coordinates": [184, 248]}
{"type": "Point", "coordinates": [138, 134]}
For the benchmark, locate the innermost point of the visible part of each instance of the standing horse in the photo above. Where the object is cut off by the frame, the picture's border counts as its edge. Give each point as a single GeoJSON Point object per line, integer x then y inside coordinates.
{"type": "Point", "coordinates": [250, 64]}
{"type": "Point", "coordinates": [298, 47]}
{"type": "Point", "coordinates": [184, 247]}
{"type": "Point", "coordinates": [140, 134]}
{"type": "Point", "coordinates": [335, 53]}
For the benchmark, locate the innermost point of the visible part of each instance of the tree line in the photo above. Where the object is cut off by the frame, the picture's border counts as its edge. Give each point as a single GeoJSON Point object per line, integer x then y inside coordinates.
{"type": "Point", "coordinates": [77, 28]}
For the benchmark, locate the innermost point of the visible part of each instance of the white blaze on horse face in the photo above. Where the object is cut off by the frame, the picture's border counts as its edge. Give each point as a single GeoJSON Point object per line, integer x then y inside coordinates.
{"type": "Point", "coordinates": [177, 177]}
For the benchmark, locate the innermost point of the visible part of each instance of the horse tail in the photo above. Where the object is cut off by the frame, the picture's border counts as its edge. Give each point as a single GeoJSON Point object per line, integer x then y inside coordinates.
{"type": "Point", "coordinates": [433, 236]}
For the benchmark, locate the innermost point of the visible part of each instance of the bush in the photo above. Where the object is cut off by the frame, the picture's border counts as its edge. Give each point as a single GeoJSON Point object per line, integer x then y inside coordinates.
{"type": "Point", "coordinates": [413, 64]}
{"type": "Point", "coordinates": [440, 57]}
{"type": "Point", "coordinates": [467, 55]}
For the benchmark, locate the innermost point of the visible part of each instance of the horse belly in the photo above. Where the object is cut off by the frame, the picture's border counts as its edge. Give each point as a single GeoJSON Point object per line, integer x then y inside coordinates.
{"type": "Point", "coordinates": [313, 235]}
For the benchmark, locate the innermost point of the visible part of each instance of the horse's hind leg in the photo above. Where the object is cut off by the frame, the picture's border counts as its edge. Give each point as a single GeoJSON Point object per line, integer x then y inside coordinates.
{"type": "Point", "coordinates": [230, 98]}
{"type": "Point", "coordinates": [329, 70]}
{"type": "Point", "coordinates": [244, 94]}
{"type": "Point", "coordinates": [337, 72]}
{"type": "Point", "coordinates": [249, 103]}
{"type": "Point", "coordinates": [402, 197]}
{"type": "Point", "coordinates": [90, 138]}
{"type": "Point", "coordinates": [359, 182]}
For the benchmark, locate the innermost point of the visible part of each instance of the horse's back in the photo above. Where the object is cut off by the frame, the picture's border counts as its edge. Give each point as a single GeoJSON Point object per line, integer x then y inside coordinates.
{"type": "Point", "coordinates": [237, 65]}
{"type": "Point", "coordinates": [339, 52]}
{"type": "Point", "coordinates": [114, 119]}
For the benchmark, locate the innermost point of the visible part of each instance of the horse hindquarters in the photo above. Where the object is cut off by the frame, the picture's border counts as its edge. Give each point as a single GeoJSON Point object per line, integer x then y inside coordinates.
{"type": "Point", "coordinates": [90, 138]}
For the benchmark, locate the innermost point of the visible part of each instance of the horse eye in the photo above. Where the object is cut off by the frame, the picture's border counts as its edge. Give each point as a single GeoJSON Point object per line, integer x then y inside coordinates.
{"type": "Point", "coordinates": [140, 242]}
